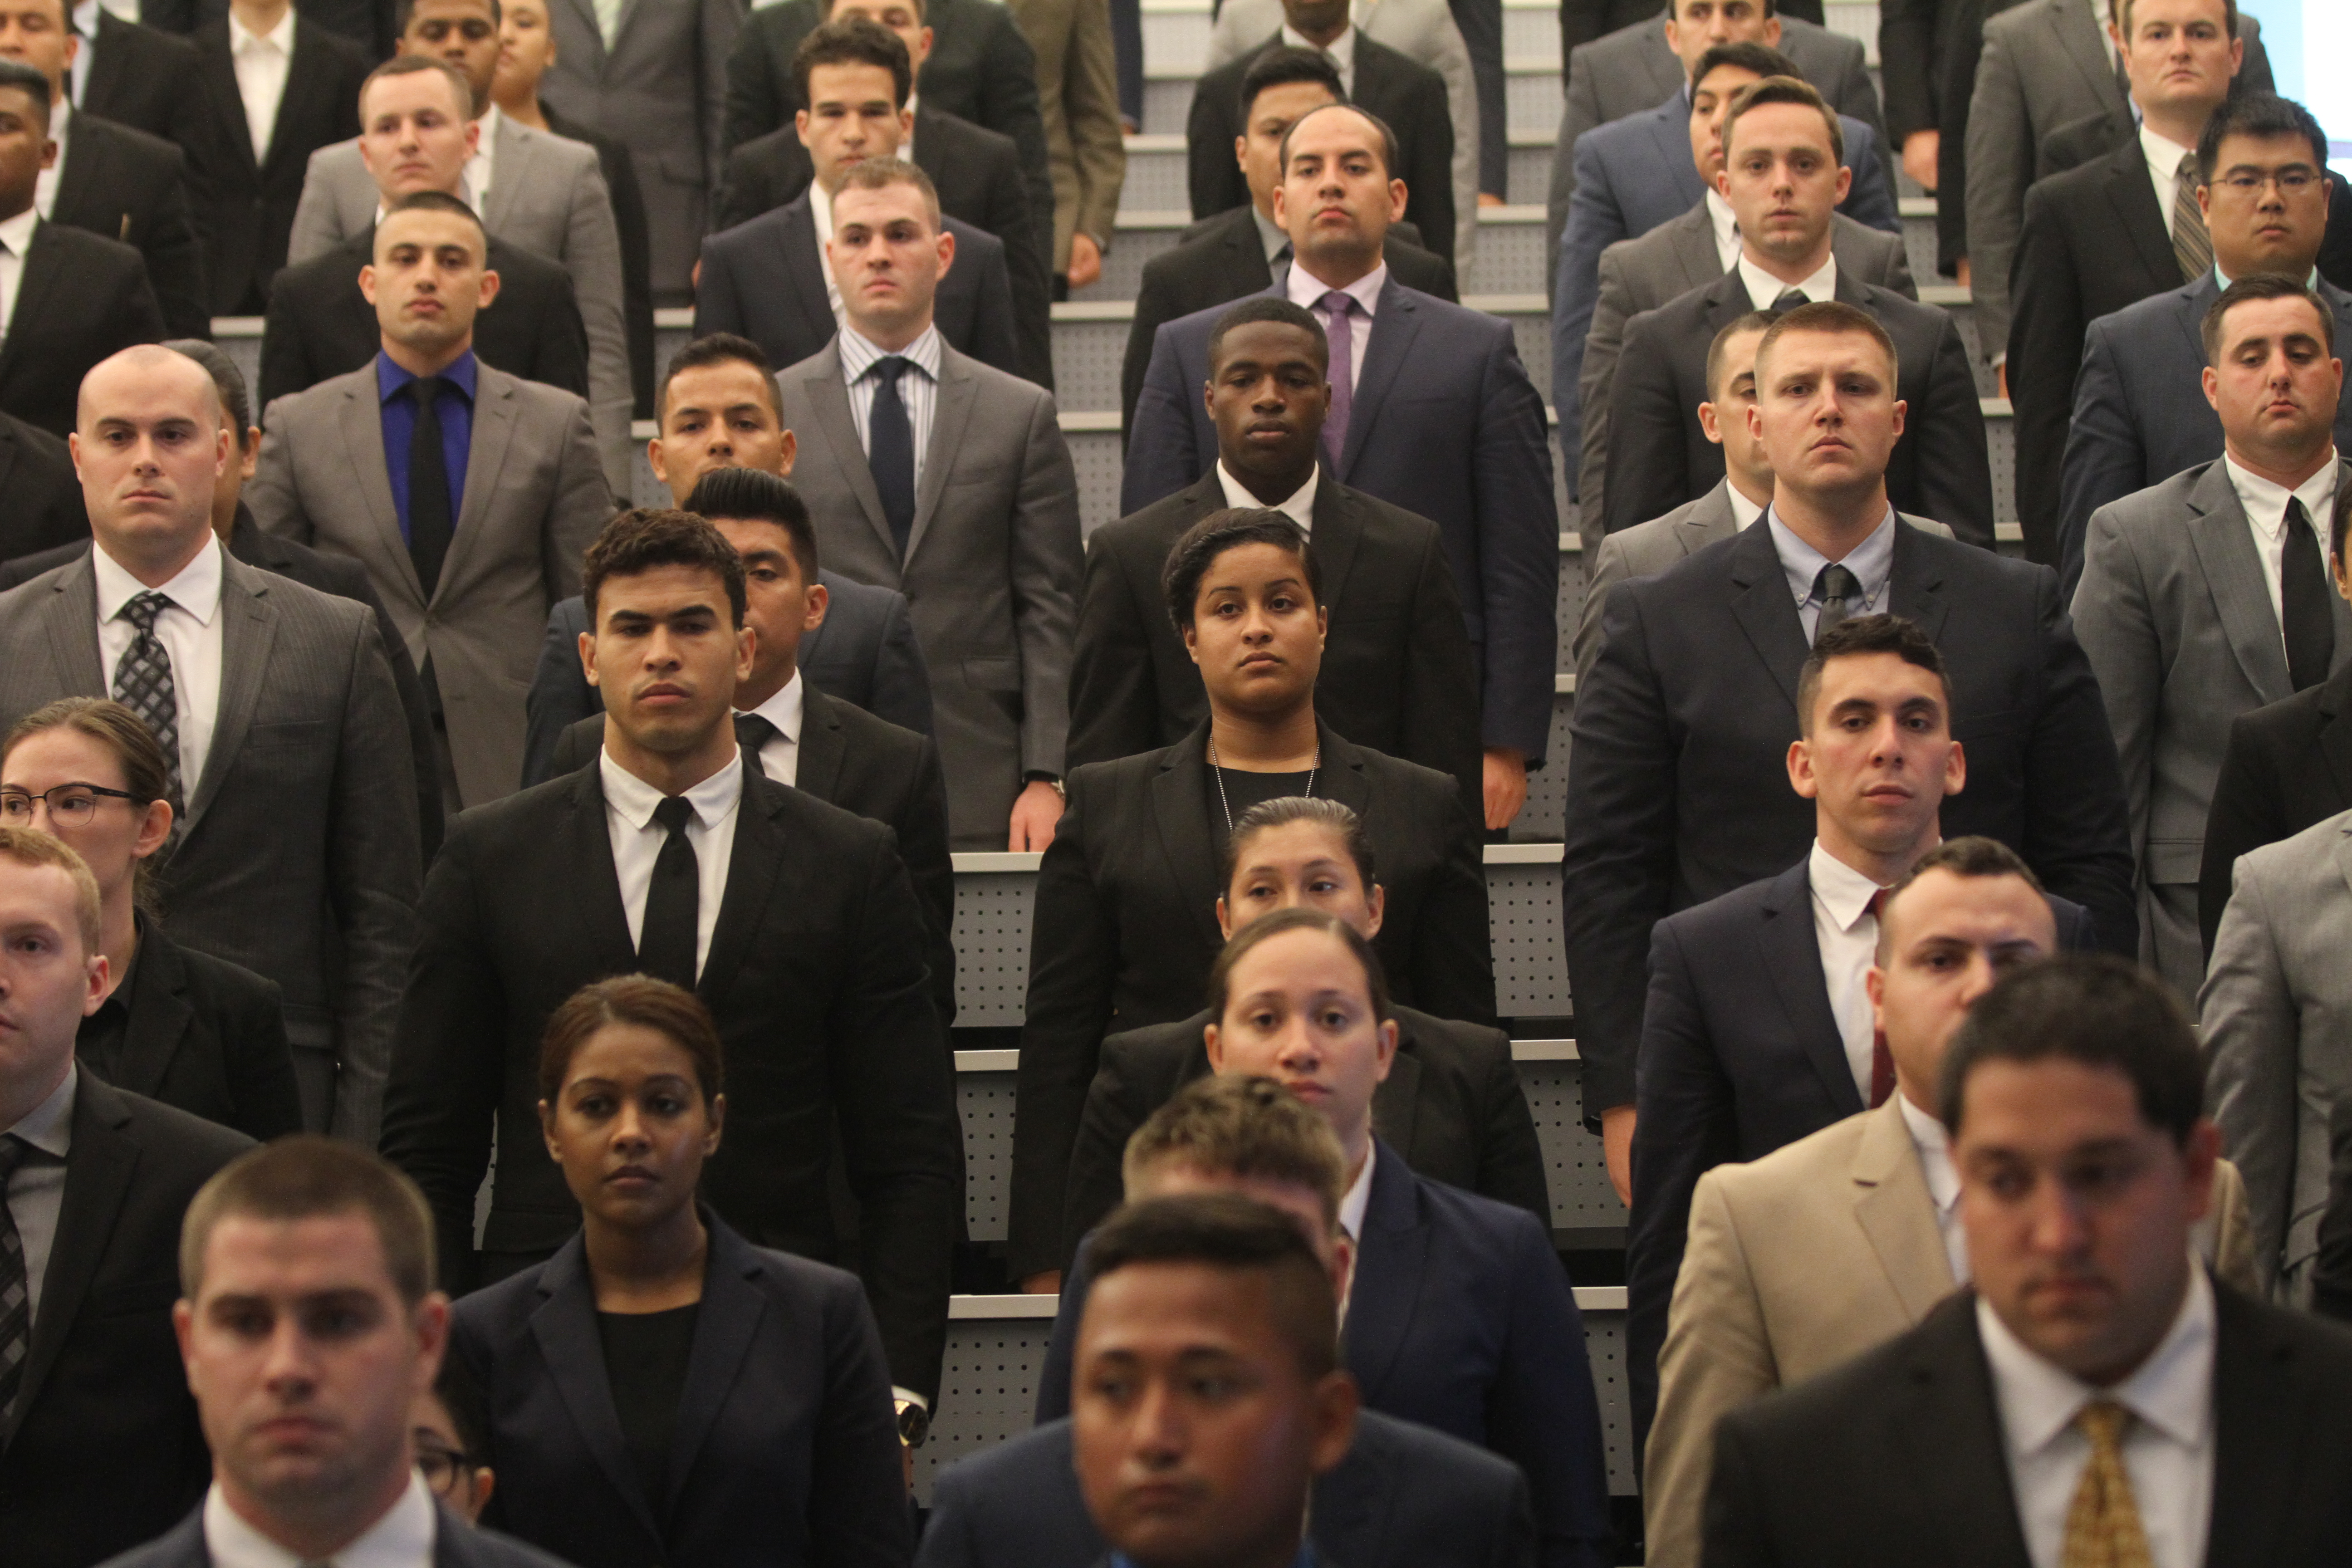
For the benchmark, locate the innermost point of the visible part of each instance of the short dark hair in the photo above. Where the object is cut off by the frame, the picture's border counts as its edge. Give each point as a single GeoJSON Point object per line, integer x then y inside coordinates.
{"type": "Point", "coordinates": [1748, 56]}
{"type": "Point", "coordinates": [824, 8]}
{"type": "Point", "coordinates": [230, 380]}
{"type": "Point", "coordinates": [1971, 855]}
{"type": "Point", "coordinates": [1299, 918]}
{"type": "Point", "coordinates": [2261, 286]}
{"type": "Point", "coordinates": [440, 201]}
{"type": "Point", "coordinates": [410, 65]}
{"type": "Point", "coordinates": [460, 1394]}
{"type": "Point", "coordinates": [1675, 8]}
{"type": "Point", "coordinates": [1389, 155]}
{"type": "Point", "coordinates": [856, 39]}
{"type": "Point", "coordinates": [1245, 1126]}
{"type": "Point", "coordinates": [1882, 633]}
{"type": "Point", "coordinates": [29, 80]}
{"type": "Point", "coordinates": [755, 495]}
{"type": "Point", "coordinates": [881, 174]}
{"type": "Point", "coordinates": [643, 538]}
{"type": "Point", "coordinates": [407, 8]}
{"type": "Point", "coordinates": [668, 1010]}
{"type": "Point", "coordinates": [1279, 67]}
{"type": "Point", "coordinates": [1753, 321]}
{"type": "Point", "coordinates": [305, 1175]}
{"type": "Point", "coordinates": [1238, 1235]}
{"type": "Point", "coordinates": [2095, 1009]}
{"type": "Point", "coordinates": [2262, 115]}
{"type": "Point", "coordinates": [1834, 316]}
{"type": "Point", "coordinates": [719, 348]}
{"type": "Point", "coordinates": [1268, 308]}
{"type": "Point", "coordinates": [1785, 89]}
{"type": "Point", "coordinates": [1281, 812]}
{"type": "Point", "coordinates": [1190, 558]}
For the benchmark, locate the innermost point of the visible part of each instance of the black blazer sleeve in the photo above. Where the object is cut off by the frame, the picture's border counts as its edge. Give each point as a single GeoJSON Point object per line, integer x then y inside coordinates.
{"type": "Point", "coordinates": [1154, 305]}
{"type": "Point", "coordinates": [1906, 53]}
{"type": "Point", "coordinates": [559, 697]}
{"type": "Point", "coordinates": [2047, 324]}
{"type": "Point", "coordinates": [1452, 963]}
{"type": "Point", "coordinates": [922, 828]}
{"type": "Point", "coordinates": [1428, 149]}
{"type": "Point", "coordinates": [759, 178]}
{"type": "Point", "coordinates": [1114, 699]}
{"type": "Point", "coordinates": [1955, 474]}
{"type": "Point", "coordinates": [1438, 709]}
{"type": "Point", "coordinates": [636, 269]}
{"type": "Point", "coordinates": [759, 93]}
{"type": "Point", "coordinates": [1649, 469]}
{"type": "Point", "coordinates": [257, 1061]}
{"type": "Point", "coordinates": [1213, 178]}
{"type": "Point", "coordinates": [2077, 828]}
{"type": "Point", "coordinates": [2248, 811]}
{"type": "Point", "coordinates": [1116, 1105]}
{"type": "Point", "coordinates": [1510, 1157]}
{"type": "Point", "coordinates": [1005, 213]}
{"type": "Point", "coordinates": [995, 332]}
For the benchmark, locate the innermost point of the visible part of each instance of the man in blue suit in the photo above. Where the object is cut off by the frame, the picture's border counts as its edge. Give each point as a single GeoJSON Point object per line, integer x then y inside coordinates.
{"type": "Point", "coordinates": [1458, 437]}
{"type": "Point", "coordinates": [2141, 415]}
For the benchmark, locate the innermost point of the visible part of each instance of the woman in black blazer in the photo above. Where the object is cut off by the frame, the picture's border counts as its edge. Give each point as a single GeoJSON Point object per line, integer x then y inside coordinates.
{"type": "Point", "coordinates": [198, 1033]}
{"type": "Point", "coordinates": [1125, 926]}
{"type": "Point", "coordinates": [661, 1391]}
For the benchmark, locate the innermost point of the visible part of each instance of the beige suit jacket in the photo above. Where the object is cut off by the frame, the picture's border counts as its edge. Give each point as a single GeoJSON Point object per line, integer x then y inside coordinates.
{"type": "Point", "coordinates": [1800, 1261]}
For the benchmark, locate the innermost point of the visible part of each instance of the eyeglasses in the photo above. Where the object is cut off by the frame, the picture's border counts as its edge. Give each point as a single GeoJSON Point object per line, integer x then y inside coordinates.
{"type": "Point", "coordinates": [442, 1467]}
{"type": "Point", "coordinates": [2290, 181]}
{"type": "Point", "coordinates": [70, 804]}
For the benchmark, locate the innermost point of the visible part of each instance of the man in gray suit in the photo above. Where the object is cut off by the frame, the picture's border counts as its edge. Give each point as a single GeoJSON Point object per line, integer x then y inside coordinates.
{"type": "Point", "coordinates": [468, 494]}
{"type": "Point", "coordinates": [298, 856]}
{"type": "Point", "coordinates": [930, 473]}
{"type": "Point", "coordinates": [1639, 67]}
{"type": "Point", "coordinates": [541, 192]}
{"type": "Point", "coordinates": [2207, 595]}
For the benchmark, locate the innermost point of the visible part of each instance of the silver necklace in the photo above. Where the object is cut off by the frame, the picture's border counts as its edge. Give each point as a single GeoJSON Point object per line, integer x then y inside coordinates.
{"type": "Point", "coordinates": [1218, 768]}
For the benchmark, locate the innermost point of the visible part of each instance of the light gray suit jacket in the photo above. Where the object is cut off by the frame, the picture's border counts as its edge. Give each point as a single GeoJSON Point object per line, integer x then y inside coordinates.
{"type": "Point", "coordinates": [1421, 30]}
{"type": "Point", "coordinates": [992, 569]}
{"type": "Point", "coordinates": [535, 498]}
{"type": "Point", "coordinates": [2276, 1017]}
{"type": "Point", "coordinates": [547, 195]}
{"type": "Point", "coordinates": [299, 856]}
{"type": "Point", "coordinates": [2175, 613]}
{"type": "Point", "coordinates": [1632, 69]}
{"type": "Point", "coordinates": [1649, 548]}
{"type": "Point", "coordinates": [1645, 272]}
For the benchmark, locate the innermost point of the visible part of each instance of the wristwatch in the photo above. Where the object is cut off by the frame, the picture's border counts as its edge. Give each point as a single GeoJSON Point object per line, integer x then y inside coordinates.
{"type": "Point", "coordinates": [914, 1422]}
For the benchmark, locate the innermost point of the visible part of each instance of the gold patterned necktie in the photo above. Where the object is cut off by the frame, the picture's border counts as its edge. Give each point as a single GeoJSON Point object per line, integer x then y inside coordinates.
{"type": "Point", "coordinates": [2103, 1526]}
{"type": "Point", "coordinates": [2191, 246]}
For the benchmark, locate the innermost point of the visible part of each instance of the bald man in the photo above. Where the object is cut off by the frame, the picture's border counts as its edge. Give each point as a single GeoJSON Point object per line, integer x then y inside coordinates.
{"type": "Point", "coordinates": [298, 855]}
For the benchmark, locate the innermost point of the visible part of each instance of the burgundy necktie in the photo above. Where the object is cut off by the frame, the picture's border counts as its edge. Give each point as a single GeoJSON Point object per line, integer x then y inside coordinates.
{"type": "Point", "coordinates": [1882, 1061]}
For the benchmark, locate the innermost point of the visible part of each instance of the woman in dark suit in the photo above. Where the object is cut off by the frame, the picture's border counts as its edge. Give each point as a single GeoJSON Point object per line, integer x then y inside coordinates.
{"type": "Point", "coordinates": [198, 1033]}
{"type": "Point", "coordinates": [661, 1391]}
{"type": "Point", "coordinates": [1125, 926]}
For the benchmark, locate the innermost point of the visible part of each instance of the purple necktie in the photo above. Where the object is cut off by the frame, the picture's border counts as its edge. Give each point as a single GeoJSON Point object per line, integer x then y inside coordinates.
{"type": "Point", "coordinates": [1337, 307]}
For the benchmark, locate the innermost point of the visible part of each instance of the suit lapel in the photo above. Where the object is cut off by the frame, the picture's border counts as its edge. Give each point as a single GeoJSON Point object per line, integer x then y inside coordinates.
{"type": "Point", "coordinates": [1668, 131]}
{"type": "Point", "coordinates": [1892, 1206]}
{"type": "Point", "coordinates": [817, 768]}
{"type": "Point", "coordinates": [1915, 586]}
{"type": "Point", "coordinates": [586, 11]}
{"type": "Point", "coordinates": [2233, 576]}
{"type": "Point", "coordinates": [1386, 350]}
{"type": "Point", "coordinates": [2078, 35]}
{"type": "Point", "coordinates": [1389, 1261]}
{"type": "Point", "coordinates": [158, 1015]}
{"type": "Point", "coordinates": [1693, 238]}
{"type": "Point", "coordinates": [1792, 951]}
{"type": "Point", "coordinates": [804, 272]}
{"type": "Point", "coordinates": [1181, 808]}
{"type": "Point", "coordinates": [1767, 614]}
{"type": "Point", "coordinates": [72, 617]}
{"type": "Point", "coordinates": [603, 920]}
{"type": "Point", "coordinates": [829, 396]}
{"type": "Point", "coordinates": [361, 422]}
{"type": "Point", "coordinates": [2259, 1402]}
{"type": "Point", "coordinates": [106, 66]}
{"type": "Point", "coordinates": [1397, 1101]}
{"type": "Point", "coordinates": [1711, 520]}
{"type": "Point", "coordinates": [1952, 1440]}
{"type": "Point", "coordinates": [43, 268]}
{"type": "Point", "coordinates": [1245, 257]}
{"type": "Point", "coordinates": [753, 867]}
{"type": "Point", "coordinates": [565, 1328]}
{"type": "Point", "coordinates": [486, 459]}
{"type": "Point", "coordinates": [957, 389]}
{"type": "Point", "coordinates": [249, 629]}
{"type": "Point", "coordinates": [217, 79]}
{"type": "Point", "coordinates": [2133, 200]}
{"type": "Point", "coordinates": [512, 154]}
{"type": "Point", "coordinates": [723, 1330]}
{"type": "Point", "coordinates": [1338, 534]}
{"type": "Point", "coordinates": [97, 1176]}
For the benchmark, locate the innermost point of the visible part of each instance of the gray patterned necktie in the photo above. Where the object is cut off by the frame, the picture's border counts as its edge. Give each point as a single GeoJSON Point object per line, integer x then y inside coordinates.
{"type": "Point", "coordinates": [16, 1287]}
{"type": "Point", "coordinates": [142, 683]}
{"type": "Point", "coordinates": [2191, 246]}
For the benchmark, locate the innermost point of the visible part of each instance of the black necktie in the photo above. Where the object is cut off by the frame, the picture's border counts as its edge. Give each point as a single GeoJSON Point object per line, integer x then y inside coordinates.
{"type": "Point", "coordinates": [430, 526]}
{"type": "Point", "coordinates": [753, 733]}
{"type": "Point", "coordinates": [890, 450]}
{"type": "Point", "coordinates": [666, 939]}
{"type": "Point", "coordinates": [16, 1292]}
{"type": "Point", "coordinates": [2304, 614]}
{"type": "Point", "coordinates": [1840, 591]}
{"type": "Point", "coordinates": [1787, 301]}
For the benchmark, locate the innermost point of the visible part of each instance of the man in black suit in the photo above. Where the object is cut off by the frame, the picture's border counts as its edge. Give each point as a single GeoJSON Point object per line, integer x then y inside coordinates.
{"type": "Point", "coordinates": [133, 72]}
{"type": "Point", "coordinates": [2109, 233]}
{"type": "Point", "coordinates": [1781, 175]}
{"type": "Point", "coordinates": [1237, 253]}
{"type": "Point", "coordinates": [1682, 733]}
{"type": "Point", "coordinates": [93, 1184]}
{"type": "Point", "coordinates": [248, 155]}
{"type": "Point", "coordinates": [2096, 1387]}
{"type": "Point", "coordinates": [719, 409]}
{"type": "Point", "coordinates": [793, 920]}
{"type": "Point", "coordinates": [1408, 96]}
{"type": "Point", "coordinates": [43, 505]}
{"type": "Point", "coordinates": [1397, 674]}
{"type": "Point", "coordinates": [772, 280]}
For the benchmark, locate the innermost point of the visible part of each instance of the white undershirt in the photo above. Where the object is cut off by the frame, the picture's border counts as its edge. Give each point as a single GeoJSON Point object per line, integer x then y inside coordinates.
{"type": "Point", "coordinates": [2264, 504]}
{"type": "Point", "coordinates": [1298, 506]}
{"type": "Point", "coordinates": [1726, 229]}
{"type": "Point", "coordinates": [190, 630]}
{"type": "Point", "coordinates": [636, 840]}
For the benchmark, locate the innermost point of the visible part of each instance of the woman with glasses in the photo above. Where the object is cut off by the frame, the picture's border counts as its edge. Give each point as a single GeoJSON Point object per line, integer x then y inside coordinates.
{"type": "Point", "coordinates": [452, 1442]}
{"type": "Point", "coordinates": [661, 1391]}
{"type": "Point", "coordinates": [196, 1032]}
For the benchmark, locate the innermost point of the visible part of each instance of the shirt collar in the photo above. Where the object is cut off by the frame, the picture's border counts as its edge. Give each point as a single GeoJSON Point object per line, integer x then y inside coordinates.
{"type": "Point", "coordinates": [1343, 49]}
{"type": "Point", "coordinates": [392, 380]}
{"type": "Point", "coordinates": [1298, 506]}
{"type": "Point", "coordinates": [1934, 1147]}
{"type": "Point", "coordinates": [1720, 213]}
{"type": "Point", "coordinates": [1744, 512]}
{"type": "Point", "coordinates": [48, 1126]}
{"type": "Point", "coordinates": [2264, 500]}
{"type": "Point", "coordinates": [784, 709]}
{"type": "Point", "coordinates": [860, 353]}
{"type": "Point", "coordinates": [634, 799]}
{"type": "Point", "coordinates": [196, 589]}
{"type": "Point", "coordinates": [85, 18]}
{"type": "Point", "coordinates": [2172, 1391]}
{"type": "Point", "coordinates": [1270, 237]}
{"type": "Point", "coordinates": [279, 37]}
{"type": "Point", "coordinates": [1838, 888]}
{"type": "Point", "coordinates": [1763, 288]}
{"type": "Point", "coordinates": [403, 1537]}
{"type": "Point", "coordinates": [1360, 1193]}
{"type": "Point", "coordinates": [1307, 291]}
{"type": "Point", "coordinates": [60, 123]}
{"type": "Point", "coordinates": [2162, 153]}
{"type": "Point", "coordinates": [1872, 561]}
{"type": "Point", "coordinates": [16, 233]}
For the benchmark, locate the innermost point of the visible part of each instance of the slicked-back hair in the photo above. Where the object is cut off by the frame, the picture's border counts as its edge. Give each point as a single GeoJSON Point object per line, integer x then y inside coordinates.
{"type": "Point", "coordinates": [1972, 855]}
{"type": "Point", "coordinates": [1720, 350]}
{"type": "Point", "coordinates": [1268, 308]}
{"type": "Point", "coordinates": [1281, 812]}
{"type": "Point", "coordinates": [1246, 1127]}
{"type": "Point", "coordinates": [856, 39]}
{"type": "Point", "coordinates": [1234, 1234]}
{"type": "Point", "coordinates": [145, 773]}
{"type": "Point", "coordinates": [1838, 318]}
{"type": "Point", "coordinates": [30, 848]}
{"type": "Point", "coordinates": [229, 380]}
{"type": "Point", "coordinates": [461, 90]}
{"type": "Point", "coordinates": [1281, 922]}
{"type": "Point", "coordinates": [1190, 558]}
{"type": "Point", "coordinates": [1784, 89]}
{"type": "Point", "coordinates": [754, 494]}
{"type": "Point", "coordinates": [1747, 55]}
{"type": "Point", "coordinates": [881, 174]}
{"type": "Point", "coordinates": [30, 81]}
{"type": "Point", "coordinates": [2093, 1009]}
{"type": "Point", "coordinates": [1388, 137]}
{"type": "Point", "coordinates": [1281, 66]}
{"type": "Point", "coordinates": [719, 348]}
{"type": "Point", "coordinates": [306, 1177]}
{"type": "Point", "coordinates": [639, 1000]}
{"type": "Point", "coordinates": [1868, 634]}
{"type": "Point", "coordinates": [2260, 285]}
{"type": "Point", "coordinates": [2261, 115]}
{"type": "Point", "coordinates": [644, 537]}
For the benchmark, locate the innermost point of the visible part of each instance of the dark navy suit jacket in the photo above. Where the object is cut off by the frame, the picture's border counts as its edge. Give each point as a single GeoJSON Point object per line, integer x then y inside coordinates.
{"type": "Point", "coordinates": [1461, 1319]}
{"type": "Point", "coordinates": [1405, 1497]}
{"type": "Point", "coordinates": [1459, 439]}
{"type": "Point", "coordinates": [786, 1447]}
{"type": "Point", "coordinates": [456, 1544]}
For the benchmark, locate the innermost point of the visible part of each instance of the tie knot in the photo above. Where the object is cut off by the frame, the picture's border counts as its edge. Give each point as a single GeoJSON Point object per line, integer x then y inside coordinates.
{"type": "Point", "coordinates": [2104, 1422]}
{"type": "Point", "coordinates": [1788, 299]}
{"type": "Point", "coordinates": [425, 391]}
{"type": "Point", "coordinates": [889, 368]}
{"type": "Point", "coordinates": [674, 813]}
{"type": "Point", "coordinates": [753, 731]}
{"type": "Point", "coordinates": [143, 608]}
{"type": "Point", "coordinates": [1836, 581]}
{"type": "Point", "coordinates": [13, 1151]}
{"type": "Point", "coordinates": [1337, 304]}
{"type": "Point", "coordinates": [2298, 520]}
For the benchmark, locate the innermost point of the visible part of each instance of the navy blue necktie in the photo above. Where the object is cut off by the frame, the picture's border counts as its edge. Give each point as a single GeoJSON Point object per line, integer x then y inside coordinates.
{"type": "Point", "coordinates": [890, 450]}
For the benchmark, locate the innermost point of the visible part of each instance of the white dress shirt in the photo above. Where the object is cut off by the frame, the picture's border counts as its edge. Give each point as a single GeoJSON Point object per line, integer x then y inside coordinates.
{"type": "Point", "coordinates": [16, 239]}
{"type": "Point", "coordinates": [483, 164]}
{"type": "Point", "coordinates": [1847, 933]}
{"type": "Point", "coordinates": [1934, 1147]}
{"type": "Point", "coordinates": [262, 61]}
{"type": "Point", "coordinates": [919, 391]}
{"type": "Point", "coordinates": [780, 758]}
{"type": "Point", "coordinates": [1341, 50]}
{"type": "Point", "coordinates": [1307, 291]}
{"type": "Point", "coordinates": [1357, 1198]}
{"type": "Point", "coordinates": [190, 630]}
{"type": "Point", "coordinates": [1763, 288]}
{"type": "Point", "coordinates": [1871, 562]}
{"type": "Point", "coordinates": [1726, 229]}
{"type": "Point", "coordinates": [637, 840]}
{"type": "Point", "coordinates": [1298, 506]}
{"type": "Point", "coordinates": [45, 187]}
{"type": "Point", "coordinates": [2265, 508]}
{"type": "Point", "coordinates": [1743, 511]}
{"type": "Point", "coordinates": [2167, 1451]}
{"type": "Point", "coordinates": [403, 1537]}
{"type": "Point", "coordinates": [2164, 157]}
{"type": "Point", "coordinates": [83, 19]}
{"type": "Point", "coordinates": [38, 1190]}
